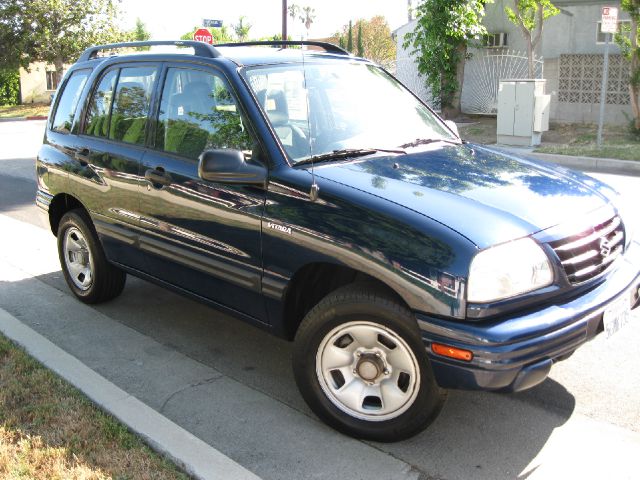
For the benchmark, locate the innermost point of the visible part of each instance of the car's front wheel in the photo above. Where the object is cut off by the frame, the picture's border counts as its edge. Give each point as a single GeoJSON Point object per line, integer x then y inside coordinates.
{"type": "Point", "coordinates": [361, 366]}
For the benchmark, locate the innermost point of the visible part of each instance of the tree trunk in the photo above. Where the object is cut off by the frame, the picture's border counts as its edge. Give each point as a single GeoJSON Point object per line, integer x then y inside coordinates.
{"type": "Point", "coordinates": [454, 109]}
{"type": "Point", "coordinates": [59, 66]}
{"type": "Point", "coordinates": [635, 105]}
{"type": "Point", "coordinates": [530, 57]}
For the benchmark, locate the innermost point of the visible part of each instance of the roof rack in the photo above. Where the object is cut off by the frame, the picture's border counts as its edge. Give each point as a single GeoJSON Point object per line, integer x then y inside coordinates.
{"type": "Point", "coordinates": [201, 49]}
{"type": "Point", "coordinates": [328, 47]}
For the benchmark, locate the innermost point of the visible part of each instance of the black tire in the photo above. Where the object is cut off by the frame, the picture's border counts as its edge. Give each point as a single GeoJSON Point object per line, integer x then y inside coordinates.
{"type": "Point", "coordinates": [107, 281]}
{"type": "Point", "coordinates": [348, 306]}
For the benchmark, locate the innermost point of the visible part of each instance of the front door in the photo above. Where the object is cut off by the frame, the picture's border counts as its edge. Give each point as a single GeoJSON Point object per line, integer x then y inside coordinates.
{"type": "Point", "coordinates": [202, 236]}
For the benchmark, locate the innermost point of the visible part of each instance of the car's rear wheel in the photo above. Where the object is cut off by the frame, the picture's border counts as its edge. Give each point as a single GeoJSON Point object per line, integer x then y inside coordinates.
{"type": "Point", "coordinates": [86, 270]}
{"type": "Point", "coordinates": [360, 364]}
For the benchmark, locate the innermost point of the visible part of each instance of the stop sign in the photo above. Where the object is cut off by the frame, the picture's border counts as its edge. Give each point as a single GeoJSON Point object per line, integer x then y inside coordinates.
{"type": "Point", "coordinates": [203, 35]}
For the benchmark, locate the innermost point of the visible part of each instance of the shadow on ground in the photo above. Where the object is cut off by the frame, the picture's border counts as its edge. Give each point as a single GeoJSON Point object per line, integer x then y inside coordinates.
{"type": "Point", "coordinates": [478, 435]}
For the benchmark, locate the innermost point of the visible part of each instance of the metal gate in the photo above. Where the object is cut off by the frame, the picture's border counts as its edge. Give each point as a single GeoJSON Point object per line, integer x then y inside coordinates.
{"type": "Point", "coordinates": [482, 75]}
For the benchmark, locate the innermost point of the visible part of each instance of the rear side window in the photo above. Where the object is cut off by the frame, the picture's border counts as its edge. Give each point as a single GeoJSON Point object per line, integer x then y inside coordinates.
{"type": "Point", "coordinates": [66, 109]}
{"type": "Point", "coordinates": [97, 121]}
{"type": "Point", "coordinates": [131, 104]}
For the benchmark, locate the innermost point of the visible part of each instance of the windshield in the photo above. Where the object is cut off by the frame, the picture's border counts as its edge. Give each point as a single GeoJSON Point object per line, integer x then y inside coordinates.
{"type": "Point", "coordinates": [319, 108]}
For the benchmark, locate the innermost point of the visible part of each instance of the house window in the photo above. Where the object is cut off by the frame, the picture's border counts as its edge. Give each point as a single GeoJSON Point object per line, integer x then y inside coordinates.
{"type": "Point", "coordinates": [52, 80]}
{"type": "Point", "coordinates": [623, 26]}
{"type": "Point", "coordinates": [494, 40]}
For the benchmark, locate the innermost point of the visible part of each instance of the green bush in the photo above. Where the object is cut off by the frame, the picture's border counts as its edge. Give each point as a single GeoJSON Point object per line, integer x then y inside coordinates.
{"type": "Point", "coordinates": [9, 87]}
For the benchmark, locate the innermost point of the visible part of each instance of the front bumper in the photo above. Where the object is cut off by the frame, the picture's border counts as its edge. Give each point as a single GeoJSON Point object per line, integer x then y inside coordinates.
{"type": "Point", "coordinates": [517, 353]}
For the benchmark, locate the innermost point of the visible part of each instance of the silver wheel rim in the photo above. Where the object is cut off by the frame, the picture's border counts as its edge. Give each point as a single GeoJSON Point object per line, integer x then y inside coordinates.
{"type": "Point", "coordinates": [78, 258]}
{"type": "Point", "coordinates": [367, 371]}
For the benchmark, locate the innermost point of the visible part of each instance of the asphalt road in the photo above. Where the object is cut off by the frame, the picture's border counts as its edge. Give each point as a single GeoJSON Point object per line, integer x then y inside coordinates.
{"type": "Point", "coordinates": [232, 386]}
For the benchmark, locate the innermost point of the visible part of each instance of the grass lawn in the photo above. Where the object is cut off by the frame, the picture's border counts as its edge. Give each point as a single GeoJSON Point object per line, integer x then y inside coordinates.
{"type": "Point", "coordinates": [49, 430]}
{"type": "Point", "coordinates": [628, 151]}
{"type": "Point", "coordinates": [28, 110]}
{"type": "Point", "coordinates": [565, 139]}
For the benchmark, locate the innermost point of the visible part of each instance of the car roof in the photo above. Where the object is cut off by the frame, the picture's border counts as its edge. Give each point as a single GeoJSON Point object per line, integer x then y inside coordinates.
{"type": "Point", "coordinates": [249, 56]}
{"type": "Point", "coordinates": [242, 54]}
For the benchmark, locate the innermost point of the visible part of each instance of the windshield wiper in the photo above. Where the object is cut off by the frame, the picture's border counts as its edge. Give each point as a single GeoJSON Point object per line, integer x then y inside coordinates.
{"type": "Point", "coordinates": [427, 141]}
{"type": "Point", "coordinates": [346, 153]}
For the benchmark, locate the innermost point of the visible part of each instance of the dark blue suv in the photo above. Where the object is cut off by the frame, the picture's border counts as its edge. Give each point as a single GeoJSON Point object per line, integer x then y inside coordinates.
{"type": "Point", "coordinates": [309, 193]}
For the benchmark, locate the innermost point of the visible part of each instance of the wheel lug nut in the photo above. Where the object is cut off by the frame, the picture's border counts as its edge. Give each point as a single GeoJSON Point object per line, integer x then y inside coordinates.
{"type": "Point", "coordinates": [355, 372]}
{"type": "Point", "coordinates": [378, 354]}
{"type": "Point", "coordinates": [386, 372]}
{"type": "Point", "coordinates": [358, 354]}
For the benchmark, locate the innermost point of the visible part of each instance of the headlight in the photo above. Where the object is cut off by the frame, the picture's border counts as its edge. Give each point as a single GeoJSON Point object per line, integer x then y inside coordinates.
{"type": "Point", "coordinates": [508, 270]}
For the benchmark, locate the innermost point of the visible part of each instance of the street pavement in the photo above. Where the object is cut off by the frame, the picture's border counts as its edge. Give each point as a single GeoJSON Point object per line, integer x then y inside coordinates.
{"type": "Point", "coordinates": [231, 385]}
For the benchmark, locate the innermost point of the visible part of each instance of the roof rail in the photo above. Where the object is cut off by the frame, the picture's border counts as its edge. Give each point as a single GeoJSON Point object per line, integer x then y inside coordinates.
{"type": "Point", "coordinates": [201, 49]}
{"type": "Point", "coordinates": [329, 47]}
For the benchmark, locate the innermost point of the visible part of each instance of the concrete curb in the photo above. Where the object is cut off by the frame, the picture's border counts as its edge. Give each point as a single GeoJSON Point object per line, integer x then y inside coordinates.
{"type": "Point", "coordinates": [196, 457]}
{"type": "Point", "coordinates": [592, 164]}
{"type": "Point", "coordinates": [23, 119]}
{"type": "Point", "coordinates": [589, 164]}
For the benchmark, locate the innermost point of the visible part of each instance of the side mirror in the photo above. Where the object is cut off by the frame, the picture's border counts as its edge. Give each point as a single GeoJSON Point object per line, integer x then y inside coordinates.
{"type": "Point", "coordinates": [229, 166]}
{"type": "Point", "coordinates": [453, 127]}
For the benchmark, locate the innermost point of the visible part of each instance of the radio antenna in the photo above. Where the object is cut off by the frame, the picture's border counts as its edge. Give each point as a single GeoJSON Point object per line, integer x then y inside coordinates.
{"type": "Point", "coordinates": [315, 189]}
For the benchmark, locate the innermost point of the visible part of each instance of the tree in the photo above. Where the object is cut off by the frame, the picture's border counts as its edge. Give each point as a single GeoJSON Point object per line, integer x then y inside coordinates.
{"type": "Point", "coordinates": [294, 11]}
{"type": "Point", "coordinates": [241, 29]}
{"type": "Point", "coordinates": [530, 15]}
{"type": "Point", "coordinates": [307, 18]}
{"type": "Point", "coordinates": [373, 41]}
{"type": "Point", "coordinates": [9, 86]}
{"type": "Point", "coordinates": [55, 31]}
{"type": "Point", "coordinates": [220, 35]}
{"type": "Point", "coordinates": [629, 43]}
{"type": "Point", "coordinates": [444, 28]}
{"type": "Point", "coordinates": [350, 38]}
{"type": "Point", "coordinates": [140, 32]}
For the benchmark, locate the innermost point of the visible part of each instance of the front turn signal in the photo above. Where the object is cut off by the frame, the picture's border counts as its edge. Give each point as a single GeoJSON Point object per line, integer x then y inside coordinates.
{"type": "Point", "coordinates": [451, 352]}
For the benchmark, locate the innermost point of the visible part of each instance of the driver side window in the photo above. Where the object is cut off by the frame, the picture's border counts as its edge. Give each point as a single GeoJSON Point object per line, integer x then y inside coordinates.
{"type": "Point", "coordinates": [198, 112]}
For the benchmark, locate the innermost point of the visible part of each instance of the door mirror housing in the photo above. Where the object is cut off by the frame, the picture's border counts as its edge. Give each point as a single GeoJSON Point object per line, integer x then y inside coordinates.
{"type": "Point", "coordinates": [229, 166]}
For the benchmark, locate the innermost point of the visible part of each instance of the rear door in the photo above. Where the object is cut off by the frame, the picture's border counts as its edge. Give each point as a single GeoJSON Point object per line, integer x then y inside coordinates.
{"type": "Point", "coordinates": [109, 152]}
{"type": "Point", "coordinates": [202, 236]}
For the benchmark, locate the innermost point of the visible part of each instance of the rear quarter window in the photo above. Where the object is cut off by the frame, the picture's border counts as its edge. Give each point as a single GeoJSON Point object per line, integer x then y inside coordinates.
{"type": "Point", "coordinates": [68, 103]}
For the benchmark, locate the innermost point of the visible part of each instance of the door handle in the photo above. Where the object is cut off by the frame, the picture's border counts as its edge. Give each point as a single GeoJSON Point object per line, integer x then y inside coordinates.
{"type": "Point", "coordinates": [157, 177]}
{"type": "Point", "coordinates": [82, 156]}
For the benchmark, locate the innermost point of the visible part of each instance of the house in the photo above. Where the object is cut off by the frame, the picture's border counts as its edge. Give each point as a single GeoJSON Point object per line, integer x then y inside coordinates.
{"type": "Point", "coordinates": [38, 83]}
{"type": "Point", "coordinates": [571, 54]}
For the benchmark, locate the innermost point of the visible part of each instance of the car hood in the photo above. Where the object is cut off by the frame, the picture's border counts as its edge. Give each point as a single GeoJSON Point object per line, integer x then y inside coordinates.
{"type": "Point", "coordinates": [487, 196]}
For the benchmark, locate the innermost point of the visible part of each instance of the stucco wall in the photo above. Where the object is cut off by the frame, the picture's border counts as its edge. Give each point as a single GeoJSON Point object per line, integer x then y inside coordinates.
{"type": "Point", "coordinates": [33, 83]}
{"type": "Point", "coordinates": [406, 68]}
{"type": "Point", "coordinates": [572, 31]}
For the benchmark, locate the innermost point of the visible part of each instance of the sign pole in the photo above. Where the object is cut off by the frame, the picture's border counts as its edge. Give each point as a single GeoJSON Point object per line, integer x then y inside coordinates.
{"type": "Point", "coordinates": [608, 26]}
{"type": "Point", "coordinates": [603, 88]}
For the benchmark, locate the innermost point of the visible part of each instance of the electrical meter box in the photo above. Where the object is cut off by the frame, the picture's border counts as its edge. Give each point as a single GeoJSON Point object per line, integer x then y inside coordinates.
{"type": "Point", "coordinates": [523, 112]}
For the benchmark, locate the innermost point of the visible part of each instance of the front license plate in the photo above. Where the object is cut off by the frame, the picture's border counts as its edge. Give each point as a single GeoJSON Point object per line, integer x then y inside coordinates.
{"type": "Point", "coordinates": [617, 314]}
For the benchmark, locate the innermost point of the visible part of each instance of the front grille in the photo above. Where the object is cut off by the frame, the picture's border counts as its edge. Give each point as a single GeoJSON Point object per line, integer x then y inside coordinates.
{"type": "Point", "coordinates": [590, 252]}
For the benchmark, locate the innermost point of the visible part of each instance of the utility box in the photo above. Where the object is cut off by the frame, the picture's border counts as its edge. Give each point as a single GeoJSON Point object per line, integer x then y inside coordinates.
{"type": "Point", "coordinates": [523, 112]}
